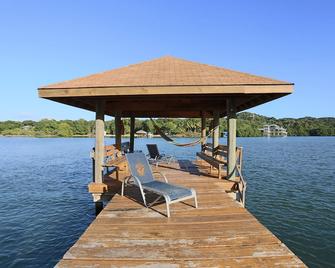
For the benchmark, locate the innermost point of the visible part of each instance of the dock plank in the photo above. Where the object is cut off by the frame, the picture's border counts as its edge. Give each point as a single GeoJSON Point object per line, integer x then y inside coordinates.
{"type": "Point", "coordinates": [220, 233]}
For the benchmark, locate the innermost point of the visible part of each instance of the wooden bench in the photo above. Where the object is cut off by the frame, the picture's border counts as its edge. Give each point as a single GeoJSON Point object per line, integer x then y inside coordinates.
{"type": "Point", "coordinates": [114, 159]}
{"type": "Point", "coordinates": [218, 160]}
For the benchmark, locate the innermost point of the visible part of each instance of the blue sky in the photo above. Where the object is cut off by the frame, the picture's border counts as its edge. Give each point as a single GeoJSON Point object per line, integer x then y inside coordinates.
{"type": "Point", "coordinates": [42, 42]}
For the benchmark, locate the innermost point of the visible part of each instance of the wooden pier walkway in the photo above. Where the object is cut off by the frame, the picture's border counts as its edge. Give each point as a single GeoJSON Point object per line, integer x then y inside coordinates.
{"type": "Point", "coordinates": [220, 233]}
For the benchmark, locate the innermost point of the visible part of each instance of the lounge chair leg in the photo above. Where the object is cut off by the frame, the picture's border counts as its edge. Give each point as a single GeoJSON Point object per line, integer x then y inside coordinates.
{"type": "Point", "coordinates": [168, 209]}
{"type": "Point", "coordinates": [167, 202]}
{"type": "Point", "coordinates": [122, 189]}
{"type": "Point", "coordinates": [194, 194]}
{"type": "Point", "coordinates": [125, 181]}
{"type": "Point", "coordinates": [143, 196]}
{"type": "Point", "coordinates": [195, 201]}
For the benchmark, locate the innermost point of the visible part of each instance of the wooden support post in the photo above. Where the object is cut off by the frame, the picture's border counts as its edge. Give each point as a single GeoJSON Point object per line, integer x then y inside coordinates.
{"type": "Point", "coordinates": [93, 164]}
{"type": "Point", "coordinates": [118, 134]}
{"type": "Point", "coordinates": [98, 207]}
{"type": "Point", "coordinates": [132, 133]}
{"type": "Point", "coordinates": [216, 131]}
{"type": "Point", "coordinates": [231, 117]}
{"type": "Point", "coordinates": [203, 132]}
{"type": "Point", "coordinates": [99, 141]}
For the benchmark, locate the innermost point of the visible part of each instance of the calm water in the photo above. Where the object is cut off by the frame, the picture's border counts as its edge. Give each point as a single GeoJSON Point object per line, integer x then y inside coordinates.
{"type": "Point", "coordinates": [45, 206]}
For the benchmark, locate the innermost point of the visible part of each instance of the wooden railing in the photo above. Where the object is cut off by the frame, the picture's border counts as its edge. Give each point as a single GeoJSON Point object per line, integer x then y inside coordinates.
{"type": "Point", "coordinates": [241, 186]}
{"type": "Point", "coordinates": [221, 154]}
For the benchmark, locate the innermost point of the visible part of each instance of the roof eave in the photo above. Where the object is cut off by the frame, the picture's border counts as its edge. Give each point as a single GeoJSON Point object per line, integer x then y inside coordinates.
{"type": "Point", "coordinates": [165, 90]}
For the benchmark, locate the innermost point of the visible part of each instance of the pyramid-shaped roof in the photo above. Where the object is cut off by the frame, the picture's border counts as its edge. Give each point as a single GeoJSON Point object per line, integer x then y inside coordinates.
{"type": "Point", "coordinates": [167, 71]}
{"type": "Point", "coordinates": [167, 87]}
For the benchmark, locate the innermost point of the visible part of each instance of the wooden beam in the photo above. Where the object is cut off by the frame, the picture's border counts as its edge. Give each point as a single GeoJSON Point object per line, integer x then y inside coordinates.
{"type": "Point", "coordinates": [259, 99]}
{"type": "Point", "coordinates": [170, 114]}
{"type": "Point", "coordinates": [216, 131]}
{"type": "Point", "coordinates": [99, 140]}
{"type": "Point", "coordinates": [172, 105]}
{"type": "Point", "coordinates": [165, 105]}
{"type": "Point", "coordinates": [164, 90]}
{"type": "Point", "coordinates": [118, 133]}
{"type": "Point", "coordinates": [231, 117]}
{"type": "Point", "coordinates": [132, 133]}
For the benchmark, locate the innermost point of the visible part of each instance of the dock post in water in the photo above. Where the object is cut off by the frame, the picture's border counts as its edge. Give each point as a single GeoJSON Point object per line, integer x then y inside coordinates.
{"type": "Point", "coordinates": [99, 152]}
{"type": "Point", "coordinates": [231, 117]}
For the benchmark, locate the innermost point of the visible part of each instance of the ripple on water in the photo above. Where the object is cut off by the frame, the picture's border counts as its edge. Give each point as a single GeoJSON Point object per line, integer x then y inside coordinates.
{"type": "Point", "coordinates": [45, 206]}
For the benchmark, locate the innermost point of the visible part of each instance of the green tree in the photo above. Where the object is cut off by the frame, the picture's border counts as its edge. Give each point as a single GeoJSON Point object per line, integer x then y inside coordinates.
{"type": "Point", "coordinates": [47, 127]}
{"type": "Point", "coordinates": [248, 125]}
{"type": "Point", "coordinates": [6, 125]}
{"type": "Point", "coordinates": [148, 126]}
{"type": "Point", "coordinates": [80, 127]}
{"type": "Point", "coordinates": [64, 130]}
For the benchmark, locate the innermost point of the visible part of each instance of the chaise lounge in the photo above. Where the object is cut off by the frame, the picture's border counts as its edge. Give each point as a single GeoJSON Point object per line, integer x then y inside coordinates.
{"type": "Point", "coordinates": [142, 177]}
{"type": "Point", "coordinates": [155, 157]}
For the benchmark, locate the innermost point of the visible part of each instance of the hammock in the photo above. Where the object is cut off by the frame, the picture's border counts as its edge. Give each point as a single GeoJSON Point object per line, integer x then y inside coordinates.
{"type": "Point", "coordinates": [170, 140]}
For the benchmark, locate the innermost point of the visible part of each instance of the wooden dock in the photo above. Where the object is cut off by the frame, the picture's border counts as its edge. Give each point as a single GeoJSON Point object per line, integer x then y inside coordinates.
{"type": "Point", "coordinates": [220, 233]}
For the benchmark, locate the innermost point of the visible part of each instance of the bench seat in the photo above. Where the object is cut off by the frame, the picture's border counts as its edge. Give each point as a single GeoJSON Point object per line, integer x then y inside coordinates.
{"type": "Point", "coordinates": [219, 160]}
{"type": "Point", "coordinates": [213, 162]}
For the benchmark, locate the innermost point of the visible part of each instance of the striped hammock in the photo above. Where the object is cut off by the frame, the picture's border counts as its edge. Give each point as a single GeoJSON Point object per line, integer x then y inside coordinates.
{"type": "Point", "coordinates": [172, 141]}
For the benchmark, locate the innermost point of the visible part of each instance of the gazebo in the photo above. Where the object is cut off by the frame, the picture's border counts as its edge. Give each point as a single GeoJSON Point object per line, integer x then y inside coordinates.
{"type": "Point", "coordinates": [141, 133]}
{"type": "Point", "coordinates": [220, 232]}
{"type": "Point", "coordinates": [166, 87]}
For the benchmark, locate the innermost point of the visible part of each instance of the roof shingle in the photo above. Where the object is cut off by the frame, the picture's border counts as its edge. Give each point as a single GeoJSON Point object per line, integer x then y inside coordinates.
{"type": "Point", "coordinates": [167, 71]}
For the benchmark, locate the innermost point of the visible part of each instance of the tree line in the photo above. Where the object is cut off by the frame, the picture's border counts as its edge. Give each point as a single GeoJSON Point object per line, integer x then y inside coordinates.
{"type": "Point", "coordinates": [248, 125]}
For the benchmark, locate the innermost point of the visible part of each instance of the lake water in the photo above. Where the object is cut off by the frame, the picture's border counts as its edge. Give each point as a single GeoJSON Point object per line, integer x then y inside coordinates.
{"type": "Point", "coordinates": [45, 206]}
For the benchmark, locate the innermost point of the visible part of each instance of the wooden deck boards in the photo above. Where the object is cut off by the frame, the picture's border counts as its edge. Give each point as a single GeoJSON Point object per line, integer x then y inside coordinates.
{"type": "Point", "coordinates": [220, 233]}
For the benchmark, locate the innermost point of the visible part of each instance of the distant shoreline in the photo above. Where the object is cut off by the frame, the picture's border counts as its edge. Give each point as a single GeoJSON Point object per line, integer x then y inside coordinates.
{"type": "Point", "coordinates": [92, 136]}
{"type": "Point", "coordinates": [153, 137]}
{"type": "Point", "coordinates": [248, 125]}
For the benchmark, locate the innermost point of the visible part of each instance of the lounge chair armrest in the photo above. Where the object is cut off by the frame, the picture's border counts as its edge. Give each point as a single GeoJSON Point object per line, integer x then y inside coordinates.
{"type": "Point", "coordinates": [160, 173]}
{"type": "Point", "coordinates": [139, 185]}
{"type": "Point", "coordinates": [138, 182]}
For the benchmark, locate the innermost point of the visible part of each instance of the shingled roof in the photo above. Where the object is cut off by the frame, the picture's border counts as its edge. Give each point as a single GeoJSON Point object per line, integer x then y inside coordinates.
{"type": "Point", "coordinates": [167, 71]}
{"type": "Point", "coordinates": [187, 89]}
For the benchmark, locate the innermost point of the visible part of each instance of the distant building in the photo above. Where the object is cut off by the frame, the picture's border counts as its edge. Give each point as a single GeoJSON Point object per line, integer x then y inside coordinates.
{"type": "Point", "coordinates": [141, 133]}
{"type": "Point", "coordinates": [27, 127]}
{"type": "Point", "coordinates": [273, 131]}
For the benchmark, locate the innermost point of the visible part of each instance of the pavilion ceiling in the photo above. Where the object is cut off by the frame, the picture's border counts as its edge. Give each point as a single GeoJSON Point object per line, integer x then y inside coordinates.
{"type": "Point", "coordinates": [168, 106]}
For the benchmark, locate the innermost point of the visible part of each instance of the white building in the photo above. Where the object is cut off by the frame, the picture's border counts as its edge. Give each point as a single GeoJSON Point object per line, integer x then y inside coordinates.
{"type": "Point", "coordinates": [273, 131]}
